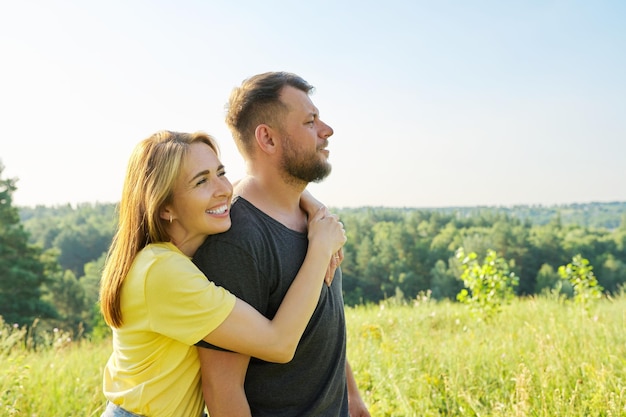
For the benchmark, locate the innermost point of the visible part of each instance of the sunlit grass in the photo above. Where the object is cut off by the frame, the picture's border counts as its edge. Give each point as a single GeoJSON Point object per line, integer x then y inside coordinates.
{"type": "Point", "coordinates": [62, 380]}
{"type": "Point", "coordinates": [539, 357]}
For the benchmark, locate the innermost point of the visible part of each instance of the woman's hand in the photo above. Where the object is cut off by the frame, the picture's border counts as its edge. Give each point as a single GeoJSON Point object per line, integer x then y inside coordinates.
{"type": "Point", "coordinates": [311, 205]}
{"type": "Point", "coordinates": [327, 233]}
{"type": "Point", "coordinates": [335, 261]}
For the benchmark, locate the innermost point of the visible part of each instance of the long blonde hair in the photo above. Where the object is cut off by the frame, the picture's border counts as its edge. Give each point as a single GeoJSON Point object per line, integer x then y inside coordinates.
{"type": "Point", "coordinates": [153, 168]}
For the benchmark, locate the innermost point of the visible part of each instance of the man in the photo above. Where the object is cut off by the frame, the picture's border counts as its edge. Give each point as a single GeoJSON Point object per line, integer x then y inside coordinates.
{"type": "Point", "coordinates": [278, 131]}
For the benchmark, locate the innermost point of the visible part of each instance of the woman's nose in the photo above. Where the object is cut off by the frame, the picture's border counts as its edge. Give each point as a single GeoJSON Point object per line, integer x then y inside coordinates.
{"type": "Point", "coordinates": [225, 187]}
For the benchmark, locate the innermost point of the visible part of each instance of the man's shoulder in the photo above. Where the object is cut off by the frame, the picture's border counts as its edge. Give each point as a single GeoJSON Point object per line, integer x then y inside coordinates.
{"type": "Point", "coordinates": [247, 226]}
{"type": "Point", "coordinates": [243, 209]}
{"type": "Point", "coordinates": [245, 219]}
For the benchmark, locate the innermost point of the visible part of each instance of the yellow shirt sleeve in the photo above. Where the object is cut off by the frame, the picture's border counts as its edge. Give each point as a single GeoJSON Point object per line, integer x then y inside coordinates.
{"type": "Point", "coordinates": [167, 305]}
{"type": "Point", "coordinates": [181, 303]}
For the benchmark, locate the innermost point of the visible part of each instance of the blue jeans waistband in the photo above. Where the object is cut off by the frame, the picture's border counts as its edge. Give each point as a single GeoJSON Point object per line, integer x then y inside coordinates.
{"type": "Point", "coordinates": [114, 410]}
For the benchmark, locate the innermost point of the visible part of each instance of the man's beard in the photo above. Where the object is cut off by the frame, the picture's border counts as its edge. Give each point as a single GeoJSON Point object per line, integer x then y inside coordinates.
{"type": "Point", "coordinates": [302, 167]}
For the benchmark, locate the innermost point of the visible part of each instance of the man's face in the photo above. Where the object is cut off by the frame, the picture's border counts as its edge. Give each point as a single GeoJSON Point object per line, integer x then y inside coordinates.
{"type": "Point", "coordinates": [304, 138]}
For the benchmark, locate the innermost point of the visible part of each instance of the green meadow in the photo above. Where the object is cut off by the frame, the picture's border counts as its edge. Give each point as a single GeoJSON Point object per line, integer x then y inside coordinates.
{"type": "Point", "coordinates": [540, 356]}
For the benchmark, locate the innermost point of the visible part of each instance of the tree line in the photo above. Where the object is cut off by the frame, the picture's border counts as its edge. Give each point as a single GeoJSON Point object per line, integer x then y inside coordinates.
{"type": "Point", "coordinates": [407, 251]}
{"type": "Point", "coordinates": [51, 257]}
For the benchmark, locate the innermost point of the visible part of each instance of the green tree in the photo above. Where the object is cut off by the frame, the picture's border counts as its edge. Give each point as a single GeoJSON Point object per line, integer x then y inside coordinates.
{"type": "Point", "coordinates": [21, 269]}
{"type": "Point", "coordinates": [444, 283]}
{"type": "Point", "coordinates": [619, 237]}
{"type": "Point", "coordinates": [94, 322]}
{"type": "Point", "coordinates": [441, 247]}
{"type": "Point", "coordinates": [544, 248]}
{"type": "Point", "coordinates": [488, 286]}
{"type": "Point", "coordinates": [547, 278]}
{"type": "Point", "coordinates": [68, 297]}
{"type": "Point", "coordinates": [80, 234]}
{"type": "Point", "coordinates": [612, 274]}
{"type": "Point", "coordinates": [580, 274]}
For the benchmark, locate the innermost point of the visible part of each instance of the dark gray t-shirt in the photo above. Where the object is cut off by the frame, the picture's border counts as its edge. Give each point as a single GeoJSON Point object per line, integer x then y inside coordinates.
{"type": "Point", "coordinates": [257, 259]}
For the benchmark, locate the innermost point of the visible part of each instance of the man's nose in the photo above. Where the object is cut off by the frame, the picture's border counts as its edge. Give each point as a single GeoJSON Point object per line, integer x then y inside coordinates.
{"type": "Point", "coordinates": [326, 131]}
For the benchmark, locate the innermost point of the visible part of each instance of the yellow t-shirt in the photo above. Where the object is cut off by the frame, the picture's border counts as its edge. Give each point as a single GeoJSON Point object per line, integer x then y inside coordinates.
{"type": "Point", "coordinates": [167, 306]}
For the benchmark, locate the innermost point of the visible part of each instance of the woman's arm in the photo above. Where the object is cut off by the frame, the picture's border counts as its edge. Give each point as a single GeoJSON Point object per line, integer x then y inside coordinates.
{"type": "Point", "coordinates": [309, 204]}
{"type": "Point", "coordinates": [246, 331]}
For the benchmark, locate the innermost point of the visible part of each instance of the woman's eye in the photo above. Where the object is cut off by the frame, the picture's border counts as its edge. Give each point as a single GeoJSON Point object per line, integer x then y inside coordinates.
{"type": "Point", "coordinates": [201, 181]}
{"type": "Point", "coordinates": [221, 173]}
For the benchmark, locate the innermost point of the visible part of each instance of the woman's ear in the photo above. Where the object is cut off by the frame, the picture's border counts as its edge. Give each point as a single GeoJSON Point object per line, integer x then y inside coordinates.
{"type": "Point", "coordinates": [265, 138]}
{"type": "Point", "coordinates": [166, 214]}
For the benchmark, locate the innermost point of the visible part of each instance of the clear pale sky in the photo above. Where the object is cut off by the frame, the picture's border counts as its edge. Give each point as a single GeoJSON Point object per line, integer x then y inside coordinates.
{"type": "Point", "coordinates": [433, 103]}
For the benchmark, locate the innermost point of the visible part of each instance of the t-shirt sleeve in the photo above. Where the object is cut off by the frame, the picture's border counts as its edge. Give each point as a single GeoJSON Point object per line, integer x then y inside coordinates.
{"type": "Point", "coordinates": [184, 304]}
{"type": "Point", "coordinates": [233, 267]}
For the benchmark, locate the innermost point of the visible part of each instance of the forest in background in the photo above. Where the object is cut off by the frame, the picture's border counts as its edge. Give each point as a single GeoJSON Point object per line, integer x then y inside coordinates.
{"type": "Point", "coordinates": [51, 257]}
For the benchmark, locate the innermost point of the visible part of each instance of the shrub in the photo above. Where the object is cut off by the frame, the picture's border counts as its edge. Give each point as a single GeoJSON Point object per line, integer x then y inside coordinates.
{"type": "Point", "coordinates": [488, 286]}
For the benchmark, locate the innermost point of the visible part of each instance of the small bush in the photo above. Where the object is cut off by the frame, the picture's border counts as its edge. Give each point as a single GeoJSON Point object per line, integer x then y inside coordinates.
{"type": "Point", "coordinates": [488, 286]}
{"type": "Point", "coordinates": [579, 273]}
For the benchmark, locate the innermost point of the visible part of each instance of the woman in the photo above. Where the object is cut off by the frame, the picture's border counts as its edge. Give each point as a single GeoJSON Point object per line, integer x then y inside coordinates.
{"type": "Point", "coordinates": [159, 304]}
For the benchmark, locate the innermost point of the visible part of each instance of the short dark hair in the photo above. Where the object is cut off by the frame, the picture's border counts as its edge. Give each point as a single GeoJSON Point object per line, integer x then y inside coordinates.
{"type": "Point", "coordinates": [257, 101]}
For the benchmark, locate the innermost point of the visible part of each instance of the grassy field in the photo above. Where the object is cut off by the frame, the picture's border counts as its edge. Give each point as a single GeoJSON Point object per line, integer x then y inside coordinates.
{"type": "Point", "coordinates": [539, 357]}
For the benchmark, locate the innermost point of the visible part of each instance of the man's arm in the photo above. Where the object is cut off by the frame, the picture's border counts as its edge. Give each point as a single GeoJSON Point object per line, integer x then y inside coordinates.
{"type": "Point", "coordinates": [355, 403]}
{"type": "Point", "coordinates": [223, 375]}
{"type": "Point", "coordinates": [223, 372]}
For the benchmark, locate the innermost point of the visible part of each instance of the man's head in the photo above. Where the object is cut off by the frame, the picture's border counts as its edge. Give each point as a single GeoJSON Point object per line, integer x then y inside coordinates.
{"type": "Point", "coordinates": [277, 104]}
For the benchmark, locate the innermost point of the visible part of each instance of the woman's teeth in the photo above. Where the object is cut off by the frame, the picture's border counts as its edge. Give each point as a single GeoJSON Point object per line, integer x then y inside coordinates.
{"type": "Point", "coordinates": [219, 210]}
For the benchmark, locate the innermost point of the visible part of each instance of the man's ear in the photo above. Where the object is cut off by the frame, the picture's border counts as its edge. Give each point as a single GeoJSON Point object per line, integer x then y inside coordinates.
{"type": "Point", "coordinates": [266, 138]}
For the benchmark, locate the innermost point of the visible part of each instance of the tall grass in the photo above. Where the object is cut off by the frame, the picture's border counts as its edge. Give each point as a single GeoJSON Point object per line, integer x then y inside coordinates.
{"type": "Point", "coordinates": [538, 357]}
{"type": "Point", "coordinates": [63, 379]}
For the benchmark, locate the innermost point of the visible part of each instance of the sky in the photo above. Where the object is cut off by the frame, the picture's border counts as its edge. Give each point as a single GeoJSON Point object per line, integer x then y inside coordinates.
{"type": "Point", "coordinates": [433, 103]}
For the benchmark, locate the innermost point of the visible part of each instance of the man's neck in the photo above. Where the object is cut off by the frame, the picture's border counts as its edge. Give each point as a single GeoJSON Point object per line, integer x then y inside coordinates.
{"type": "Point", "coordinates": [277, 199]}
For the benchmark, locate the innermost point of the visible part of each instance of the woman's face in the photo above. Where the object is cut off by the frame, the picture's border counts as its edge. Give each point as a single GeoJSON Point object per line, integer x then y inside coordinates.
{"type": "Point", "coordinates": [201, 197]}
